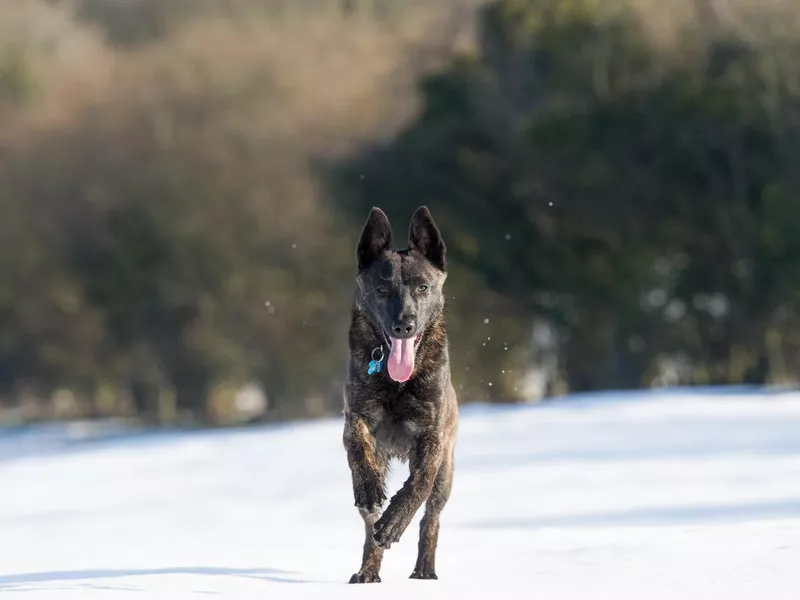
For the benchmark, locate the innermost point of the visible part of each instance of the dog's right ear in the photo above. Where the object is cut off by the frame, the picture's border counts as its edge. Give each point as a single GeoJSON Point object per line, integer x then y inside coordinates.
{"type": "Point", "coordinates": [376, 238]}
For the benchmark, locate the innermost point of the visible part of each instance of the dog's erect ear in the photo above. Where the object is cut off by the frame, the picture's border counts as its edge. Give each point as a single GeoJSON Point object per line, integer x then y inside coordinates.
{"type": "Point", "coordinates": [425, 238]}
{"type": "Point", "coordinates": [376, 238]}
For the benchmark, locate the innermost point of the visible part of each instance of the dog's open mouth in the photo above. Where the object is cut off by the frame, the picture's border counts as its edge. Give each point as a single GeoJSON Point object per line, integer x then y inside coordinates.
{"type": "Point", "coordinates": [402, 353]}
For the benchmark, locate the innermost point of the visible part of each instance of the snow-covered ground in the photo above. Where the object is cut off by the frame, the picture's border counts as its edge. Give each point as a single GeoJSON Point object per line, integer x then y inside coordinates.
{"type": "Point", "coordinates": [643, 496]}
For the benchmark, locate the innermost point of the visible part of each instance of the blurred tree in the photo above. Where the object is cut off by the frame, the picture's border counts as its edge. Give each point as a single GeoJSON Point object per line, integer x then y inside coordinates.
{"type": "Point", "coordinates": [616, 182]}
{"type": "Point", "coordinates": [614, 189]}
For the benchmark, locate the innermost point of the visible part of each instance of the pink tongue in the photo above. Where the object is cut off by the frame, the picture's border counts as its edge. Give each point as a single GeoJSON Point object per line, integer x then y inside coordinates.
{"type": "Point", "coordinates": [401, 359]}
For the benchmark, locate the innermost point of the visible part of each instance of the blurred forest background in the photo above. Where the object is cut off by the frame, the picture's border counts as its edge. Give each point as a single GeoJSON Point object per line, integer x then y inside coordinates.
{"type": "Point", "coordinates": [182, 184]}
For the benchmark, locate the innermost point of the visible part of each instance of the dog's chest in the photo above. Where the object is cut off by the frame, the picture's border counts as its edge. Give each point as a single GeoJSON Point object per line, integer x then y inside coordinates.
{"type": "Point", "coordinates": [395, 435]}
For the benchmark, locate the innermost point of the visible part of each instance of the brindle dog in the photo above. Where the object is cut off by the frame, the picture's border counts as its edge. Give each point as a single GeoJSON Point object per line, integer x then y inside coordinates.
{"type": "Point", "coordinates": [399, 399]}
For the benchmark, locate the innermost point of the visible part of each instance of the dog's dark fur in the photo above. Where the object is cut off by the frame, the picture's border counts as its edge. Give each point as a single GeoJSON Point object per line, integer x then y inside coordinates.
{"type": "Point", "coordinates": [414, 421]}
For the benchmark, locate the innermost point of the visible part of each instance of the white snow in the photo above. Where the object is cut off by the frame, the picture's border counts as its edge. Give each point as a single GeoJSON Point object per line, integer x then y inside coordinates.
{"type": "Point", "coordinates": [681, 495]}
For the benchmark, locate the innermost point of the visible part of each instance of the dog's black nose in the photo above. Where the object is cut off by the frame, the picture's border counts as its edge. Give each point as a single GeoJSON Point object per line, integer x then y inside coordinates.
{"type": "Point", "coordinates": [403, 328]}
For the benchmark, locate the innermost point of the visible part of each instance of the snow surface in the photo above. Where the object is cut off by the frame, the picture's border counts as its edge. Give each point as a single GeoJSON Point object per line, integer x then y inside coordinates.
{"type": "Point", "coordinates": [677, 495]}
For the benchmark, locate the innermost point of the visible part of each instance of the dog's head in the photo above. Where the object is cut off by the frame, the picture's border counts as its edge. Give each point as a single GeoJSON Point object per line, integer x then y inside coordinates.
{"type": "Point", "coordinates": [401, 290]}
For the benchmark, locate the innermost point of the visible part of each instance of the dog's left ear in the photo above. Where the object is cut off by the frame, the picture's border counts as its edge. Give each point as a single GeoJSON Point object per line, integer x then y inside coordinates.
{"type": "Point", "coordinates": [425, 238]}
{"type": "Point", "coordinates": [376, 238]}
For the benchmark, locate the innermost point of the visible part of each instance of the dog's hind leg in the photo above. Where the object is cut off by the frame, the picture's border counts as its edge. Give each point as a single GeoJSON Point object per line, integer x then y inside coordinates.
{"type": "Point", "coordinates": [429, 526]}
{"type": "Point", "coordinates": [372, 556]}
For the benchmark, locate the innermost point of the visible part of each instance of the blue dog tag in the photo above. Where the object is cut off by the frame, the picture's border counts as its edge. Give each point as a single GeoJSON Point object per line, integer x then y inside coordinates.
{"type": "Point", "coordinates": [376, 364]}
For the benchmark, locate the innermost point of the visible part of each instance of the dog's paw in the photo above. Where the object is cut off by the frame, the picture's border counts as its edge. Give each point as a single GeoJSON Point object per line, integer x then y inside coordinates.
{"type": "Point", "coordinates": [369, 498]}
{"type": "Point", "coordinates": [388, 530]}
{"type": "Point", "coordinates": [365, 577]}
{"type": "Point", "coordinates": [423, 575]}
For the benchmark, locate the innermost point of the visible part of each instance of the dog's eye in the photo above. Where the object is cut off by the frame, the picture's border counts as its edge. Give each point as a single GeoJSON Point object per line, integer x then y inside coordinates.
{"type": "Point", "coordinates": [382, 290]}
{"type": "Point", "coordinates": [422, 288]}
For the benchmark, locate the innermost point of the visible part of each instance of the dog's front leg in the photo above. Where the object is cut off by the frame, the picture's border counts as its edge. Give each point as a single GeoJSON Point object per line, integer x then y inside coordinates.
{"type": "Point", "coordinates": [368, 470]}
{"type": "Point", "coordinates": [424, 464]}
